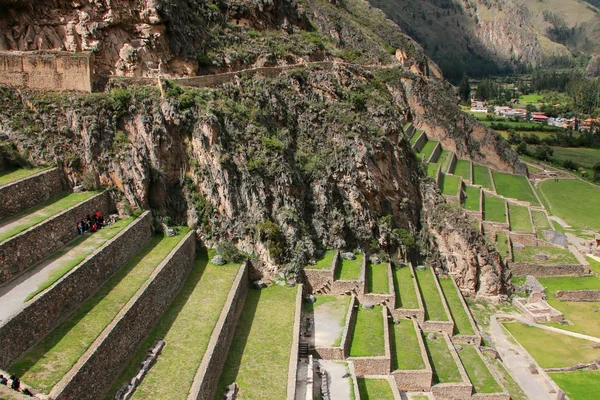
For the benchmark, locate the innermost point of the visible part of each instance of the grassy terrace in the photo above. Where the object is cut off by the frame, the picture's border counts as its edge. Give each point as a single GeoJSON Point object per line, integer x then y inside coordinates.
{"type": "Point", "coordinates": [349, 270]}
{"type": "Point", "coordinates": [494, 209]}
{"type": "Point", "coordinates": [594, 265]}
{"type": "Point", "coordinates": [462, 325]}
{"type": "Point", "coordinates": [463, 168]}
{"type": "Point", "coordinates": [325, 262]}
{"type": "Point", "coordinates": [479, 374]}
{"type": "Point", "coordinates": [555, 255]}
{"type": "Point", "coordinates": [377, 278]}
{"type": "Point", "coordinates": [471, 203]}
{"type": "Point", "coordinates": [415, 137]}
{"type": "Point", "coordinates": [77, 251]}
{"type": "Point", "coordinates": [51, 359]}
{"type": "Point", "coordinates": [374, 389]}
{"type": "Point", "coordinates": [514, 186]}
{"type": "Point", "coordinates": [481, 176]}
{"type": "Point", "coordinates": [540, 220]}
{"type": "Point", "coordinates": [449, 184]}
{"type": "Point", "coordinates": [259, 356]}
{"type": "Point", "coordinates": [187, 336]}
{"type": "Point", "coordinates": [519, 218]}
{"type": "Point", "coordinates": [367, 338]}
{"type": "Point", "coordinates": [444, 367]}
{"type": "Point", "coordinates": [444, 159]}
{"type": "Point", "coordinates": [572, 200]}
{"type": "Point", "coordinates": [18, 223]}
{"type": "Point", "coordinates": [502, 245]}
{"type": "Point", "coordinates": [580, 385]}
{"type": "Point", "coordinates": [326, 309]}
{"type": "Point", "coordinates": [7, 177]}
{"type": "Point", "coordinates": [406, 296]}
{"type": "Point", "coordinates": [432, 169]}
{"type": "Point", "coordinates": [406, 353]}
{"type": "Point", "coordinates": [580, 314]}
{"type": "Point", "coordinates": [434, 308]}
{"type": "Point", "coordinates": [427, 149]}
{"type": "Point", "coordinates": [565, 351]}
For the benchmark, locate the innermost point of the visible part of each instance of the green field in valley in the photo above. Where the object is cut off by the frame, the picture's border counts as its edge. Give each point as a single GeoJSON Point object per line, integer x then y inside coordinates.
{"type": "Point", "coordinates": [462, 324]}
{"type": "Point", "coordinates": [377, 278]}
{"type": "Point", "coordinates": [554, 255]}
{"type": "Point", "coordinates": [502, 245]}
{"type": "Point", "coordinates": [349, 270]}
{"type": "Point", "coordinates": [479, 374]}
{"type": "Point", "coordinates": [540, 220]}
{"type": "Point", "coordinates": [427, 149]}
{"type": "Point", "coordinates": [10, 176]}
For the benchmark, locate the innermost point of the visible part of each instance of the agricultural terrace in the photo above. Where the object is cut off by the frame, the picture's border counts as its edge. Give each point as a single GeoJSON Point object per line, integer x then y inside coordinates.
{"type": "Point", "coordinates": [580, 314]}
{"type": "Point", "coordinates": [432, 169]}
{"type": "Point", "coordinates": [504, 377]}
{"type": "Point", "coordinates": [324, 262]}
{"type": "Point", "coordinates": [580, 385]}
{"type": "Point", "coordinates": [14, 175]}
{"type": "Point", "coordinates": [519, 218]}
{"type": "Point", "coordinates": [462, 324]}
{"type": "Point", "coordinates": [377, 278]}
{"type": "Point", "coordinates": [375, 389]}
{"type": "Point", "coordinates": [406, 296]}
{"type": "Point", "coordinates": [18, 223]}
{"type": "Point", "coordinates": [259, 356]}
{"type": "Point", "coordinates": [514, 187]}
{"type": "Point", "coordinates": [480, 376]}
{"type": "Point", "coordinates": [502, 245]}
{"type": "Point", "coordinates": [566, 351]}
{"type": "Point", "coordinates": [481, 176]}
{"type": "Point", "coordinates": [368, 335]}
{"type": "Point", "coordinates": [444, 159]}
{"type": "Point", "coordinates": [594, 264]}
{"type": "Point", "coordinates": [349, 270]}
{"type": "Point", "coordinates": [434, 308]}
{"type": "Point", "coordinates": [584, 157]}
{"type": "Point", "coordinates": [415, 137]}
{"type": "Point", "coordinates": [329, 313]}
{"type": "Point", "coordinates": [443, 365]}
{"type": "Point", "coordinates": [187, 336]}
{"type": "Point", "coordinates": [471, 202]}
{"type": "Point", "coordinates": [52, 358]}
{"type": "Point", "coordinates": [559, 198]}
{"type": "Point", "coordinates": [449, 184]}
{"type": "Point", "coordinates": [463, 168]}
{"type": "Point", "coordinates": [427, 149]}
{"type": "Point", "coordinates": [406, 352]}
{"type": "Point", "coordinates": [555, 255]}
{"type": "Point", "coordinates": [494, 209]}
{"type": "Point", "coordinates": [540, 220]}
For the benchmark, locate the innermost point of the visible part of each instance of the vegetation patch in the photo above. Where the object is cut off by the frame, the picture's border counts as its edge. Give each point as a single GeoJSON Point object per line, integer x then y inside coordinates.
{"type": "Point", "coordinates": [377, 278]}
{"type": "Point", "coordinates": [502, 245]}
{"type": "Point", "coordinates": [540, 220]}
{"type": "Point", "coordinates": [367, 338]}
{"type": "Point", "coordinates": [462, 324]}
{"type": "Point", "coordinates": [14, 175]}
{"type": "Point", "coordinates": [481, 176]}
{"type": "Point", "coordinates": [349, 270]}
{"type": "Point", "coordinates": [504, 377]}
{"type": "Point", "coordinates": [325, 261]}
{"type": "Point", "coordinates": [471, 202]}
{"type": "Point", "coordinates": [519, 218]}
{"type": "Point", "coordinates": [574, 201]}
{"type": "Point", "coordinates": [514, 187]}
{"type": "Point", "coordinates": [375, 389]}
{"type": "Point", "coordinates": [443, 365]}
{"type": "Point", "coordinates": [404, 287]}
{"type": "Point", "coordinates": [434, 308]}
{"type": "Point", "coordinates": [544, 255]}
{"type": "Point", "coordinates": [432, 169]}
{"type": "Point", "coordinates": [463, 168]}
{"type": "Point", "coordinates": [494, 209]}
{"type": "Point", "coordinates": [449, 184]}
{"type": "Point", "coordinates": [580, 385]}
{"type": "Point", "coordinates": [406, 352]}
{"type": "Point", "coordinates": [479, 374]}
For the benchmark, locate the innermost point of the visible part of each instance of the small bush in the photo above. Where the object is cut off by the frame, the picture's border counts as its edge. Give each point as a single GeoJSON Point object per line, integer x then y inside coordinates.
{"type": "Point", "coordinates": [230, 253]}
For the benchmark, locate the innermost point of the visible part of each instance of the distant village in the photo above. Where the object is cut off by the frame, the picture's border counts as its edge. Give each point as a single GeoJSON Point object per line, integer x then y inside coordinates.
{"type": "Point", "coordinates": [535, 116]}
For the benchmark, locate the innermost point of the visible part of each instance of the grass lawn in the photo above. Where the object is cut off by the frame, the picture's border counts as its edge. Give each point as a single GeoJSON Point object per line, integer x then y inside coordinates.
{"type": "Point", "coordinates": [374, 389]}
{"type": "Point", "coordinates": [259, 356]}
{"type": "Point", "coordinates": [187, 336]}
{"type": "Point", "coordinates": [16, 174]}
{"type": "Point", "coordinates": [578, 385]}
{"type": "Point", "coordinates": [555, 255]}
{"type": "Point", "coordinates": [540, 220]}
{"type": "Point", "coordinates": [377, 278]}
{"type": "Point", "coordinates": [367, 338]}
{"type": "Point", "coordinates": [473, 194]}
{"type": "Point", "coordinates": [502, 245]}
{"type": "Point", "coordinates": [532, 98]}
{"type": "Point", "coordinates": [444, 367]}
{"type": "Point", "coordinates": [463, 168]}
{"type": "Point", "coordinates": [406, 296]}
{"type": "Point", "coordinates": [479, 374]}
{"type": "Point", "coordinates": [445, 157]}
{"type": "Point", "coordinates": [406, 353]}
{"type": "Point", "coordinates": [415, 137]}
{"type": "Point", "coordinates": [565, 350]}
{"type": "Point", "coordinates": [519, 218]}
{"type": "Point", "coordinates": [427, 149]}
{"type": "Point", "coordinates": [573, 200]}
{"type": "Point", "coordinates": [514, 187]}
{"type": "Point", "coordinates": [328, 307]}
{"type": "Point", "coordinates": [580, 314]}
{"type": "Point", "coordinates": [481, 176]}
{"type": "Point", "coordinates": [18, 223]}
{"type": "Point", "coordinates": [462, 325]}
{"type": "Point", "coordinates": [432, 169]}
{"type": "Point", "coordinates": [494, 209]}
{"type": "Point", "coordinates": [349, 270]}
{"type": "Point", "coordinates": [325, 262]}
{"type": "Point", "coordinates": [434, 308]}
{"type": "Point", "coordinates": [594, 265]}
{"type": "Point", "coordinates": [449, 184]}
{"type": "Point", "coordinates": [533, 169]}
{"type": "Point", "coordinates": [51, 359]}
{"type": "Point", "coordinates": [83, 246]}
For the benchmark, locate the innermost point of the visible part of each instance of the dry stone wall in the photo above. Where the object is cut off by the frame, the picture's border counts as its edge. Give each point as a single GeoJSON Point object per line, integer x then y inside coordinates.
{"type": "Point", "coordinates": [376, 365]}
{"type": "Point", "coordinates": [97, 369]}
{"type": "Point", "coordinates": [415, 380]}
{"type": "Point", "coordinates": [294, 356]}
{"type": "Point", "coordinates": [22, 251]}
{"type": "Point", "coordinates": [26, 193]}
{"type": "Point", "coordinates": [339, 353]}
{"type": "Point", "coordinates": [578, 295]}
{"type": "Point", "coordinates": [542, 270]}
{"type": "Point", "coordinates": [42, 314]}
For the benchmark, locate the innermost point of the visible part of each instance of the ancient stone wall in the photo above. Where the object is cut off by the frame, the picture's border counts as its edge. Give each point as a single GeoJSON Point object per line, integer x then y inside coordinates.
{"type": "Point", "coordinates": [47, 70]}
{"type": "Point", "coordinates": [22, 251]}
{"type": "Point", "coordinates": [347, 287]}
{"type": "Point", "coordinates": [415, 380]}
{"type": "Point", "coordinates": [419, 313]}
{"type": "Point", "coordinates": [376, 365]}
{"type": "Point", "coordinates": [47, 310]}
{"type": "Point", "coordinates": [472, 339]}
{"type": "Point", "coordinates": [446, 327]}
{"type": "Point", "coordinates": [349, 328]}
{"type": "Point", "coordinates": [435, 153]}
{"type": "Point", "coordinates": [94, 373]}
{"type": "Point", "coordinates": [542, 270]}
{"type": "Point", "coordinates": [26, 193]}
{"type": "Point", "coordinates": [388, 299]}
{"type": "Point", "coordinates": [491, 396]}
{"type": "Point", "coordinates": [410, 130]}
{"type": "Point", "coordinates": [293, 364]}
{"type": "Point", "coordinates": [315, 279]}
{"type": "Point", "coordinates": [530, 239]}
{"type": "Point", "coordinates": [339, 353]}
{"type": "Point", "coordinates": [209, 372]}
{"type": "Point", "coordinates": [578, 295]}
{"type": "Point", "coordinates": [452, 163]}
{"type": "Point", "coordinates": [459, 390]}
{"type": "Point", "coordinates": [419, 143]}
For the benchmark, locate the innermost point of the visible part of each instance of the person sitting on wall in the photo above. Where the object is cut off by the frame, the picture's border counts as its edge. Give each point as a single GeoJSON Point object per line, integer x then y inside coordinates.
{"type": "Point", "coordinates": [112, 218]}
{"type": "Point", "coordinates": [27, 392]}
{"type": "Point", "coordinates": [16, 383]}
{"type": "Point", "coordinates": [94, 228]}
{"type": "Point", "coordinates": [3, 380]}
{"type": "Point", "coordinates": [80, 228]}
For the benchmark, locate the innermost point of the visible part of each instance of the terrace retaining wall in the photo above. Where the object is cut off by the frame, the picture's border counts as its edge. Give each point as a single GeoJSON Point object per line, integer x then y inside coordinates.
{"type": "Point", "coordinates": [95, 371]}
{"type": "Point", "coordinates": [578, 295]}
{"type": "Point", "coordinates": [419, 143]}
{"type": "Point", "coordinates": [339, 353]}
{"type": "Point", "coordinates": [437, 150]}
{"type": "Point", "coordinates": [376, 365]}
{"type": "Point", "coordinates": [475, 338]}
{"type": "Point", "coordinates": [207, 377]}
{"type": "Point", "coordinates": [530, 239]}
{"type": "Point", "coordinates": [452, 163]}
{"type": "Point", "coordinates": [316, 279]}
{"type": "Point", "coordinates": [388, 299]}
{"type": "Point", "coordinates": [25, 193]}
{"type": "Point", "coordinates": [347, 286]}
{"type": "Point", "coordinates": [22, 251]}
{"type": "Point", "coordinates": [349, 328]}
{"type": "Point", "coordinates": [293, 365]}
{"type": "Point", "coordinates": [415, 380]}
{"type": "Point", "coordinates": [542, 270]}
{"type": "Point", "coordinates": [454, 391]}
{"type": "Point", "coordinates": [419, 313]}
{"type": "Point", "coordinates": [491, 396]}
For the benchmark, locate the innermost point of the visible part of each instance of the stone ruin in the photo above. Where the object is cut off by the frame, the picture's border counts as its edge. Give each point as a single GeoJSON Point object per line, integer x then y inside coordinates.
{"type": "Point", "coordinates": [535, 306]}
{"type": "Point", "coordinates": [127, 390]}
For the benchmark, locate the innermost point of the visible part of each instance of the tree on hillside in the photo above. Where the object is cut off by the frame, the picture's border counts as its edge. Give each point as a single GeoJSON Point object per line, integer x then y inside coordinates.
{"type": "Point", "coordinates": [464, 89]}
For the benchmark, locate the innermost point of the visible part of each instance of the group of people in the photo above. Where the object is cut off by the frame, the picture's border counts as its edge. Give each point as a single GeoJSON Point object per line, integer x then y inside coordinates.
{"type": "Point", "coordinates": [94, 222]}
{"type": "Point", "coordinates": [15, 384]}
